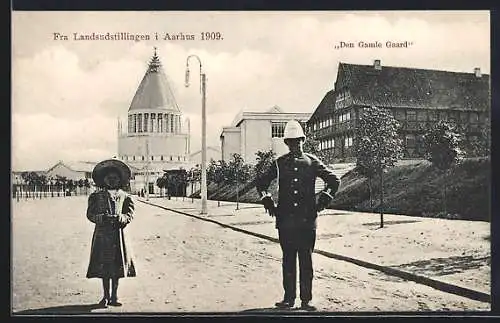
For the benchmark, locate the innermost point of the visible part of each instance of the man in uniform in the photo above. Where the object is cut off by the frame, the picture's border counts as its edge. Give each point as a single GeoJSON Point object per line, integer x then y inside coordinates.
{"type": "Point", "coordinates": [297, 210]}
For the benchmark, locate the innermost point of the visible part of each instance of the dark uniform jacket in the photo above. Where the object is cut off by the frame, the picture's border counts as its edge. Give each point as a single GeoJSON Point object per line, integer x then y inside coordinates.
{"type": "Point", "coordinates": [296, 188]}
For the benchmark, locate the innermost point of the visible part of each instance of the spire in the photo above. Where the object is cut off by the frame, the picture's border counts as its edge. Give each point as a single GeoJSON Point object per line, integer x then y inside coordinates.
{"type": "Point", "coordinates": [154, 91]}
{"type": "Point", "coordinates": [154, 63]}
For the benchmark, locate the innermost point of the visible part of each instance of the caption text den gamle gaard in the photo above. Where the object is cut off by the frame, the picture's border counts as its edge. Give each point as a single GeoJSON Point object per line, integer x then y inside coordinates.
{"type": "Point", "coordinates": [126, 36]}
{"type": "Point", "coordinates": [374, 44]}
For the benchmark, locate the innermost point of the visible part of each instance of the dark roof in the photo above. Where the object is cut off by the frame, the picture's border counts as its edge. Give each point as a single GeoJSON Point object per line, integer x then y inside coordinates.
{"type": "Point", "coordinates": [414, 88]}
{"type": "Point", "coordinates": [325, 106]}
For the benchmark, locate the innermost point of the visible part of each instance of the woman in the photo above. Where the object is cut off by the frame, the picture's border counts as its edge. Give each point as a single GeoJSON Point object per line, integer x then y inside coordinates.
{"type": "Point", "coordinates": [111, 209]}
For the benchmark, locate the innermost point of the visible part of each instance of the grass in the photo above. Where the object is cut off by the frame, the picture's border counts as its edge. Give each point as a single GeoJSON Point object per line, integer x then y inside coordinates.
{"type": "Point", "coordinates": [412, 188]}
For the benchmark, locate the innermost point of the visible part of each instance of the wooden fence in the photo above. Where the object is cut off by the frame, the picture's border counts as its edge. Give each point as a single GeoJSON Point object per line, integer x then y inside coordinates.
{"type": "Point", "coordinates": [25, 192]}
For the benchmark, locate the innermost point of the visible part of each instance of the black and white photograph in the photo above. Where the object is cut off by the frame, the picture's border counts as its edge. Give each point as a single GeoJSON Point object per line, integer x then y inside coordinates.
{"type": "Point", "coordinates": [250, 162]}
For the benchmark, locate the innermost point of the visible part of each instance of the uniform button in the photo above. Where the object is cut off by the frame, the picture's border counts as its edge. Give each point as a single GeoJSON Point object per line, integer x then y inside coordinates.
{"type": "Point", "coordinates": [295, 204]}
{"type": "Point", "coordinates": [295, 192]}
{"type": "Point", "coordinates": [295, 169]}
{"type": "Point", "coordinates": [295, 179]}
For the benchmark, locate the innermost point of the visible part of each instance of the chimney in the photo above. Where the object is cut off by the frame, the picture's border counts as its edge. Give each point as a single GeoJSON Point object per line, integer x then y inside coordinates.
{"type": "Point", "coordinates": [376, 64]}
{"type": "Point", "coordinates": [477, 71]}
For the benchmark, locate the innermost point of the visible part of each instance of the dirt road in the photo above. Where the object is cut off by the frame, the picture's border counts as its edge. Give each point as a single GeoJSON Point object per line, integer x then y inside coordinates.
{"type": "Point", "coordinates": [184, 264]}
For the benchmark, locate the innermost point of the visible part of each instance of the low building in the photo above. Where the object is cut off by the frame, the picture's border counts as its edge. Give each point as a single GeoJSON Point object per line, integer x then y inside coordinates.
{"type": "Point", "coordinates": [71, 170]}
{"type": "Point", "coordinates": [418, 98]}
{"type": "Point", "coordinates": [254, 131]}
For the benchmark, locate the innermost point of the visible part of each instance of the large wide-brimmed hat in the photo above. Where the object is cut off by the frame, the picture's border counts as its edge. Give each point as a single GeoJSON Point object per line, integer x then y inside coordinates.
{"type": "Point", "coordinates": [102, 168]}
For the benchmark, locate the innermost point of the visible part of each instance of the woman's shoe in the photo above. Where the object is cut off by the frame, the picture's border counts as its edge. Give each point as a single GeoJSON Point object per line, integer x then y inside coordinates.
{"type": "Point", "coordinates": [103, 303]}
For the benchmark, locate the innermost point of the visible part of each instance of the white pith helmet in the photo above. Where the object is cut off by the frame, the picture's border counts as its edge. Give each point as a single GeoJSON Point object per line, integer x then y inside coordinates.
{"type": "Point", "coordinates": [293, 129]}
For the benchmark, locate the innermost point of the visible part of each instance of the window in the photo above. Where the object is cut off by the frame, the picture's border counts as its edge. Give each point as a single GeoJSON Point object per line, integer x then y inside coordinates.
{"type": "Point", "coordinates": [134, 123]}
{"type": "Point", "coordinates": [161, 157]}
{"type": "Point", "coordinates": [410, 140]}
{"type": "Point", "coordinates": [152, 128]}
{"type": "Point", "coordinates": [160, 123]}
{"type": "Point", "coordinates": [399, 114]}
{"type": "Point", "coordinates": [411, 115]}
{"type": "Point", "coordinates": [171, 123]}
{"type": "Point", "coordinates": [139, 128]}
{"type": "Point", "coordinates": [474, 117]}
{"type": "Point", "coordinates": [133, 157]}
{"type": "Point", "coordinates": [422, 115]}
{"type": "Point", "coordinates": [142, 157]}
{"type": "Point", "coordinates": [152, 157]}
{"type": "Point", "coordinates": [278, 129]}
{"type": "Point", "coordinates": [179, 158]}
{"type": "Point", "coordinates": [171, 158]}
{"type": "Point", "coordinates": [146, 117]}
{"type": "Point", "coordinates": [348, 141]}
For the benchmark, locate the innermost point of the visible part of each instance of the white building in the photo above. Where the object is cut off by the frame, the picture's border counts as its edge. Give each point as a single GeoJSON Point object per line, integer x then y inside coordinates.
{"type": "Point", "coordinates": [212, 153]}
{"type": "Point", "coordinates": [156, 137]}
{"type": "Point", "coordinates": [72, 170]}
{"type": "Point", "coordinates": [254, 131]}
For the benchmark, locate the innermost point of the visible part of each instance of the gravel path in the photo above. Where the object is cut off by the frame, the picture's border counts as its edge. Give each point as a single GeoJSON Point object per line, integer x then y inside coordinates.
{"type": "Point", "coordinates": [184, 264]}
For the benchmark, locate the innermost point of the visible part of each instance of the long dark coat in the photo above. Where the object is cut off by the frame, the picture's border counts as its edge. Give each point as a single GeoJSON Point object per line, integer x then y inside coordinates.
{"type": "Point", "coordinates": [110, 254]}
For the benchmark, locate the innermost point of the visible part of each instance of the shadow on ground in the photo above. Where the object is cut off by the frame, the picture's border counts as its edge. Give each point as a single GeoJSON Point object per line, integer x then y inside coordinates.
{"type": "Point", "coordinates": [63, 309]}
{"type": "Point", "coordinates": [275, 310]}
{"type": "Point", "coordinates": [251, 223]}
{"type": "Point", "coordinates": [392, 222]}
{"type": "Point", "coordinates": [445, 266]}
{"type": "Point", "coordinates": [250, 207]}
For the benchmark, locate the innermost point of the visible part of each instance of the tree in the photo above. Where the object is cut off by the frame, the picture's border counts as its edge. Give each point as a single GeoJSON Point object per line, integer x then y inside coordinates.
{"type": "Point", "coordinates": [311, 145]}
{"type": "Point", "coordinates": [377, 146]}
{"type": "Point", "coordinates": [86, 183]}
{"type": "Point", "coordinates": [442, 149]}
{"type": "Point", "coordinates": [161, 182]}
{"type": "Point", "coordinates": [264, 160]}
{"type": "Point", "coordinates": [194, 176]}
{"type": "Point", "coordinates": [238, 172]}
{"type": "Point", "coordinates": [479, 145]}
{"type": "Point", "coordinates": [216, 173]}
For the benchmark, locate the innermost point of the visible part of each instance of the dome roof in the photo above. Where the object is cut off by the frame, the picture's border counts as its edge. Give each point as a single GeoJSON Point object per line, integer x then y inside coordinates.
{"type": "Point", "coordinates": [154, 92]}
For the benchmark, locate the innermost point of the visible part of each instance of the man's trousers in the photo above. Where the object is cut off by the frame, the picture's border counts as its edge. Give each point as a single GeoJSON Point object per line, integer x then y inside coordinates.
{"type": "Point", "coordinates": [297, 241]}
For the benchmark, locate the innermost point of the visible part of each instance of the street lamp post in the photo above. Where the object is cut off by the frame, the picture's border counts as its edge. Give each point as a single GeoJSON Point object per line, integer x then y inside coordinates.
{"type": "Point", "coordinates": [147, 169]}
{"type": "Point", "coordinates": [17, 188]}
{"type": "Point", "coordinates": [203, 133]}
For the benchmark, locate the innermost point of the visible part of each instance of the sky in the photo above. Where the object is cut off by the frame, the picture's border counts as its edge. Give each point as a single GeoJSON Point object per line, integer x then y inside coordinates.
{"type": "Point", "coordinates": [67, 95]}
